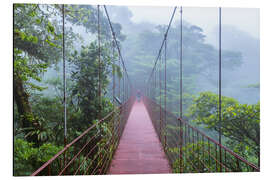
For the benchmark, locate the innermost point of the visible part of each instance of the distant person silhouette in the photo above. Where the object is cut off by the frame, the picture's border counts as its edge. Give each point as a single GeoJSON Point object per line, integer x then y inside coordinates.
{"type": "Point", "coordinates": [138, 95]}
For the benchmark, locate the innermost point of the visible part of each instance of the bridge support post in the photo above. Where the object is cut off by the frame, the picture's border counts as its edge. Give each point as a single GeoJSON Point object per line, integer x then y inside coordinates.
{"type": "Point", "coordinates": [181, 146]}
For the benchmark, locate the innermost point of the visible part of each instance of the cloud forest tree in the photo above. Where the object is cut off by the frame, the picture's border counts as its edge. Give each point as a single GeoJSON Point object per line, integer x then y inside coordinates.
{"type": "Point", "coordinates": [38, 46]}
{"type": "Point", "coordinates": [240, 122]}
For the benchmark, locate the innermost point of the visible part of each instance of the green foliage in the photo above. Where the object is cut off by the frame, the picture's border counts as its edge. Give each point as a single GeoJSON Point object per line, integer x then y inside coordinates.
{"type": "Point", "coordinates": [41, 129]}
{"type": "Point", "coordinates": [49, 111]}
{"type": "Point", "coordinates": [257, 86]}
{"type": "Point", "coordinates": [36, 33]}
{"type": "Point", "coordinates": [46, 125]}
{"type": "Point", "coordinates": [205, 107]}
{"type": "Point", "coordinates": [37, 47]}
{"type": "Point", "coordinates": [201, 157]}
{"type": "Point", "coordinates": [107, 145]}
{"type": "Point", "coordinates": [24, 36]}
{"type": "Point", "coordinates": [116, 70]}
{"type": "Point", "coordinates": [193, 156]}
{"type": "Point", "coordinates": [24, 156]}
{"type": "Point", "coordinates": [25, 70]}
{"type": "Point", "coordinates": [85, 77]}
{"type": "Point", "coordinates": [86, 16]}
{"type": "Point", "coordinates": [47, 151]}
{"type": "Point", "coordinates": [27, 158]}
{"type": "Point", "coordinates": [240, 123]}
{"type": "Point", "coordinates": [32, 56]}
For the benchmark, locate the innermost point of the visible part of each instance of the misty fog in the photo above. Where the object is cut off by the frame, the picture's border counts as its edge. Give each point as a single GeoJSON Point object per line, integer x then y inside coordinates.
{"type": "Point", "coordinates": [81, 66]}
{"type": "Point", "coordinates": [240, 33]}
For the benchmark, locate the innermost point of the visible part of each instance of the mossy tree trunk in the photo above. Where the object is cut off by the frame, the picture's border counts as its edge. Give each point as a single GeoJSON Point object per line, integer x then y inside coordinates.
{"type": "Point", "coordinates": [27, 119]}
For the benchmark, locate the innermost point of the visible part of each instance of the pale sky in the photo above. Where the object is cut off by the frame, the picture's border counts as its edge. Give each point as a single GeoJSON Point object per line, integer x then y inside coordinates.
{"type": "Point", "coordinates": [245, 19]}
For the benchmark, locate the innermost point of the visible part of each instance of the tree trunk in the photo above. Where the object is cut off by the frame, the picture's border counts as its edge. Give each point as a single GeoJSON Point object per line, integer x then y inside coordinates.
{"type": "Point", "coordinates": [24, 108]}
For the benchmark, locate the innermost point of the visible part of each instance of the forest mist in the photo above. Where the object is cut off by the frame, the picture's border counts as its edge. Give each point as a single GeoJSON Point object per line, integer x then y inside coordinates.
{"type": "Point", "coordinates": [38, 72]}
{"type": "Point", "coordinates": [233, 39]}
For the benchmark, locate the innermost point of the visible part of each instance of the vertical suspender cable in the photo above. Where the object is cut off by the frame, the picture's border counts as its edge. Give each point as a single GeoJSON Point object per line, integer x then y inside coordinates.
{"type": "Point", "coordinates": [122, 86]}
{"type": "Point", "coordinates": [155, 84]}
{"type": "Point", "coordinates": [151, 87]}
{"type": "Point", "coordinates": [181, 90]}
{"type": "Point", "coordinates": [113, 71]}
{"type": "Point", "coordinates": [64, 74]}
{"type": "Point", "coordinates": [99, 66]}
{"type": "Point", "coordinates": [64, 81]}
{"type": "Point", "coordinates": [126, 90]}
{"type": "Point", "coordinates": [113, 91]}
{"type": "Point", "coordinates": [160, 114]}
{"type": "Point", "coordinates": [126, 85]}
{"type": "Point", "coordinates": [99, 71]}
{"type": "Point", "coordinates": [181, 63]}
{"type": "Point", "coordinates": [165, 86]}
{"type": "Point", "coordinates": [219, 89]}
{"type": "Point", "coordinates": [119, 80]}
{"type": "Point", "coordinates": [123, 89]}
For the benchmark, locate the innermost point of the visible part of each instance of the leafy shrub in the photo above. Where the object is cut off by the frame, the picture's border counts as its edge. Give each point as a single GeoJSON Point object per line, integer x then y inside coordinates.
{"type": "Point", "coordinates": [24, 156]}
{"type": "Point", "coordinates": [27, 158]}
{"type": "Point", "coordinates": [240, 123]}
{"type": "Point", "coordinates": [47, 151]}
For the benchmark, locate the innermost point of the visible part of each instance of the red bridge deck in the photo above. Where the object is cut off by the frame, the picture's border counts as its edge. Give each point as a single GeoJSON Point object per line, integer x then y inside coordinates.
{"type": "Point", "coordinates": [139, 150]}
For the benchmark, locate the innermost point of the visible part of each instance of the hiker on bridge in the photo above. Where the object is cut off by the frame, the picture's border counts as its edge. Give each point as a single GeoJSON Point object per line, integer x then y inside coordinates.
{"type": "Point", "coordinates": [138, 95]}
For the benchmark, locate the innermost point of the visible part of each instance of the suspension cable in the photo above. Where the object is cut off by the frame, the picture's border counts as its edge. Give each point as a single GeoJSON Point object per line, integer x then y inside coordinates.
{"type": "Point", "coordinates": [162, 44]}
{"type": "Point", "coordinates": [117, 45]}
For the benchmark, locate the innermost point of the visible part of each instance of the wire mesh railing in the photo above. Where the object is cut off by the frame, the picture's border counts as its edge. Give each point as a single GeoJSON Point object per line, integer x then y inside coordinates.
{"type": "Point", "coordinates": [189, 149]}
{"type": "Point", "coordinates": [92, 151]}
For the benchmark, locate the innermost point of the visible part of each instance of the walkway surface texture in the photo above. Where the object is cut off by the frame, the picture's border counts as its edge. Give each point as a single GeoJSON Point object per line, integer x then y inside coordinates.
{"type": "Point", "coordinates": [139, 150]}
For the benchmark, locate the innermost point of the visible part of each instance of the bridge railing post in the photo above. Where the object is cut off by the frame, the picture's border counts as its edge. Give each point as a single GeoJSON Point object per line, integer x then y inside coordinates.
{"type": "Point", "coordinates": [181, 146]}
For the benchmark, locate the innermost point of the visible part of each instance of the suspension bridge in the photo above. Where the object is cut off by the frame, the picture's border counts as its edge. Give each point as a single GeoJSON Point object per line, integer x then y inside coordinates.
{"type": "Point", "coordinates": [139, 142]}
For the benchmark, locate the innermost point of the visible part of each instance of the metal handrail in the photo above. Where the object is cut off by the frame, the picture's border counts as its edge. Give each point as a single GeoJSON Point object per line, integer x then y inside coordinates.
{"type": "Point", "coordinates": [77, 139]}
{"type": "Point", "coordinates": [205, 136]}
